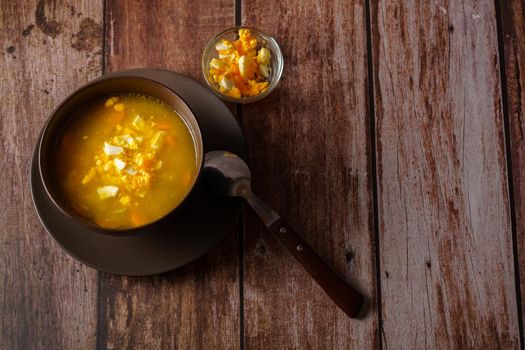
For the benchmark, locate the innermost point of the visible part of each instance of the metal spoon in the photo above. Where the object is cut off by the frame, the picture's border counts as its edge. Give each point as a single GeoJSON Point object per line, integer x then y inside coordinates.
{"type": "Point", "coordinates": [228, 175]}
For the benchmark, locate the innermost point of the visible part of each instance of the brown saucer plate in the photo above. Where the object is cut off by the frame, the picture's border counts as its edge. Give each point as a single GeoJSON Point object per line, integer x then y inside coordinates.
{"type": "Point", "coordinates": [194, 229]}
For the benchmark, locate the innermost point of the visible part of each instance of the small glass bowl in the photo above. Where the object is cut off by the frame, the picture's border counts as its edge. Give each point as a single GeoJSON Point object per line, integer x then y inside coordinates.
{"type": "Point", "coordinates": [276, 63]}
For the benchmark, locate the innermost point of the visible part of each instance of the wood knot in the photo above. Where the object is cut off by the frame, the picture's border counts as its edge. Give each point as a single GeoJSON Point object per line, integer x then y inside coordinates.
{"type": "Point", "coordinates": [48, 27]}
{"type": "Point", "coordinates": [28, 30]}
{"type": "Point", "coordinates": [260, 248]}
{"type": "Point", "coordinates": [88, 35]}
{"type": "Point", "coordinates": [349, 256]}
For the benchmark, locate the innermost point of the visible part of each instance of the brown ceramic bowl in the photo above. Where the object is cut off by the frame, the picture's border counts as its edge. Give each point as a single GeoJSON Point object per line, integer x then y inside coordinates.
{"type": "Point", "coordinates": [84, 96]}
{"type": "Point", "coordinates": [188, 232]}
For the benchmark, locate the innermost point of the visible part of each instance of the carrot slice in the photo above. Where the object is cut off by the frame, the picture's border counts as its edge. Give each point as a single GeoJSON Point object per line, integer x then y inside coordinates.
{"type": "Point", "coordinates": [171, 140]}
{"type": "Point", "coordinates": [137, 218]}
{"type": "Point", "coordinates": [117, 117]}
{"type": "Point", "coordinates": [147, 163]}
{"type": "Point", "coordinates": [186, 179]}
{"type": "Point", "coordinates": [164, 126]}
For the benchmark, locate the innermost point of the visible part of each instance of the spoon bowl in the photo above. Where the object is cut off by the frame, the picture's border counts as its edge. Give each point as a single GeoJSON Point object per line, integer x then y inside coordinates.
{"type": "Point", "coordinates": [227, 173]}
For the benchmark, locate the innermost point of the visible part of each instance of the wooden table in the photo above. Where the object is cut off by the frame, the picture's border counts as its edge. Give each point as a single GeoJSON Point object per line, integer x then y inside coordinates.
{"type": "Point", "coordinates": [395, 144]}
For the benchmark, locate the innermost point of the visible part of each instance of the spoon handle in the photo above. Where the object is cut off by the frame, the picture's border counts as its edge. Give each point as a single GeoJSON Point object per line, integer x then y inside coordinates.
{"type": "Point", "coordinates": [346, 297]}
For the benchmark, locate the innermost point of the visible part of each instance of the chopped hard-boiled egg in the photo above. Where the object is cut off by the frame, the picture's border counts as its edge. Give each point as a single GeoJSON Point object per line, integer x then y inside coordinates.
{"type": "Point", "coordinates": [158, 165]}
{"type": "Point", "coordinates": [226, 83]}
{"type": "Point", "coordinates": [126, 159]}
{"type": "Point", "coordinates": [131, 171]}
{"type": "Point", "coordinates": [217, 64]}
{"type": "Point", "coordinates": [223, 45]}
{"type": "Point", "coordinates": [264, 70]}
{"type": "Point", "coordinates": [138, 123]}
{"type": "Point", "coordinates": [242, 70]}
{"type": "Point", "coordinates": [112, 150]}
{"type": "Point", "coordinates": [111, 101]}
{"type": "Point", "coordinates": [107, 191]}
{"type": "Point", "coordinates": [264, 56]}
{"type": "Point", "coordinates": [125, 200]}
{"type": "Point", "coordinates": [89, 176]}
{"type": "Point", "coordinates": [119, 164]}
{"type": "Point", "coordinates": [247, 67]}
{"type": "Point", "coordinates": [119, 107]}
{"type": "Point", "coordinates": [157, 139]}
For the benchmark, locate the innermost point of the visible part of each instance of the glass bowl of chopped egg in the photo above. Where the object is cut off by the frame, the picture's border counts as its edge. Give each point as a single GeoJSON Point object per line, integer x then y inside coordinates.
{"type": "Point", "coordinates": [242, 64]}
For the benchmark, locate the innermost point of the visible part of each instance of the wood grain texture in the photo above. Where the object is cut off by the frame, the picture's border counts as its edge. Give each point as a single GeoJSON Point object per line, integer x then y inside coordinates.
{"type": "Point", "coordinates": [513, 30]}
{"type": "Point", "coordinates": [310, 160]}
{"type": "Point", "coordinates": [47, 300]}
{"type": "Point", "coordinates": [447, 275]}
{"type": "Point", "coordinates": [196, 307]}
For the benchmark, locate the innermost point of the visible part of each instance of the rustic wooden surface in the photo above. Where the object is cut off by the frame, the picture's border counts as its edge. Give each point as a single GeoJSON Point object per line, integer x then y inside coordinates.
{"type": "Point", "coordinates": [385, 143]}
{"type": "Point", "coordinates": [512, 18]}
{"type": "Point", "coordinates": [310, 160]}
{"type": "Point", "coordinates": [47, 299]}
{"type": "Point", "coordinates": [447, 272]}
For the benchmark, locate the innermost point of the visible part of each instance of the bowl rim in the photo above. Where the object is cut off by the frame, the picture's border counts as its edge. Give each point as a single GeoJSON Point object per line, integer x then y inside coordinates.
{"type": "Point", "coordinates": [242, 100]}
{"type": "Point", "coordinates": [116, 232]}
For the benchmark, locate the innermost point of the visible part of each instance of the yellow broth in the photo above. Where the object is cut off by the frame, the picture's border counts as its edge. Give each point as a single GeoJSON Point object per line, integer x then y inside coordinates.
{"type": "Point", "coordinates": [125, 161]}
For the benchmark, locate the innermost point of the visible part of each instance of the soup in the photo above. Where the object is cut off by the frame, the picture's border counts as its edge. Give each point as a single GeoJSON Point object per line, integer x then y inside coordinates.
{"type": "Point", "coordinates": [125, 161]}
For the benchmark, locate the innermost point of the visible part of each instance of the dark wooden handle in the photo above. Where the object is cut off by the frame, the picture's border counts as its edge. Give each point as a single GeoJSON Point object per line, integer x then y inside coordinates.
{"type": "Point", "coordinates": [346, 297]}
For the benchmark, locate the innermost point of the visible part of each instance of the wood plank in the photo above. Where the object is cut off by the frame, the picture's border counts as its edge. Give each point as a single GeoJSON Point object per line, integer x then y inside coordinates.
{"type": "Point", "coordinates": [197, 306]}
{"type": "Point", "coordinates": [47, 300]}
{"type": "Point", "coordinates": [310, 160]}
{"type": "Point", "coordinates": [513, 28]}
{"type": "Point", "coordinates": [447, 275]}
